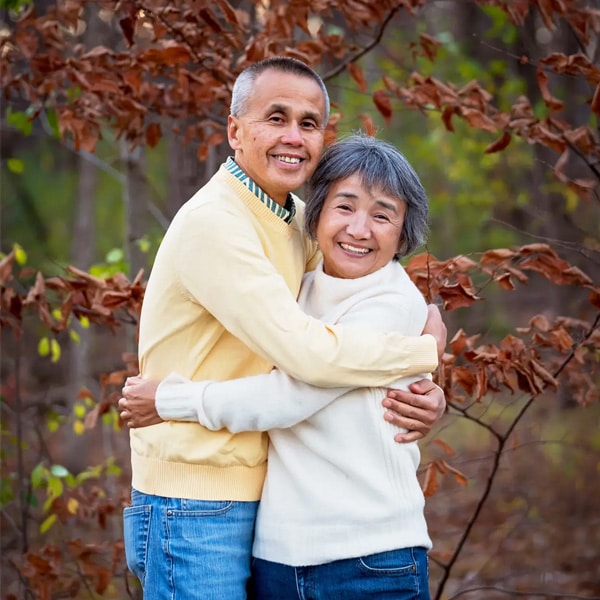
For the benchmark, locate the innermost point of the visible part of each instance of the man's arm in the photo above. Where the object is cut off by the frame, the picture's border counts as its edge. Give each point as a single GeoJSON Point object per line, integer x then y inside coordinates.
{"type": "Point", "coordinates": [242, 289]}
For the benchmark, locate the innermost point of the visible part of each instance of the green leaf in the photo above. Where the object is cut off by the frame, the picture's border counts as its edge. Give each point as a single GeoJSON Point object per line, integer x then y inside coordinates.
{"type": "Point", "coordinates": [15, 165]}
{"type": "Point", "coordinates": [38, 476]}
{"type": "Point", "coordinates": [114, 256]}
{"type": "Point", "coordinates": [74, 336]}
{"type": "Point", "coordinates": [59, 471]}
{"type": "Point", "coordinates": [18, 120]}
{"type": "Point", "coordinates": [47, 524]}
{"type": "Point", "coordinates": [84, 322]}
{"type": "Point", "coordinates": [143, 244]}
{"type": "Point", "coordinates": [53, 123]}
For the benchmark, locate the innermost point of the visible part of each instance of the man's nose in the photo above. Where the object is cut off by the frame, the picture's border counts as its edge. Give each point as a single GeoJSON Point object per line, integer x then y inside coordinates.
{"type": "Point", "coordinates": [293, 134]}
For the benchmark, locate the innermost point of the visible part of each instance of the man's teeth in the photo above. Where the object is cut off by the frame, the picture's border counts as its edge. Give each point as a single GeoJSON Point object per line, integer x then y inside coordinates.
{"type": "Point", "coordinates": [350, 248]}
{"type": "Point", "coordinates": [289, 159]}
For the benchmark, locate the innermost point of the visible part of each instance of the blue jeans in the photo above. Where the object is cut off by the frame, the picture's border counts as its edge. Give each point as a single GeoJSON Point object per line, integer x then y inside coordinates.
{"type": "Point", "coordinates": [189, 549]}
{"type": "Point", "coordinates": [395, 575]}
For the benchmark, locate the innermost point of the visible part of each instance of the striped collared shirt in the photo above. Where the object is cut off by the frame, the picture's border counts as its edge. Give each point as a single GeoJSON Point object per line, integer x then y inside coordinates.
{"type": "Point", "coordinates": [286, 212]}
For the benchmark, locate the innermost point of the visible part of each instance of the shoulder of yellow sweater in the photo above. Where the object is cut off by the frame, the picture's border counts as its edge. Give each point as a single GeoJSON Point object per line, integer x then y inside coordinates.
{"type": "Point", "coordinates": [213, 207]}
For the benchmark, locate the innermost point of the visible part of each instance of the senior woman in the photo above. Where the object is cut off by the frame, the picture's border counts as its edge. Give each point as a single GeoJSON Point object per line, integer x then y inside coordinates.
{"type": "Point", "coordinates": [341, 513]}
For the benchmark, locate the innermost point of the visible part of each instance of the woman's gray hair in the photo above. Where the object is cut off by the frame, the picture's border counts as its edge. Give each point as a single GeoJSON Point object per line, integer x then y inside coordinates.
{"type": "Point", "coordinates": [242, 88]}
{"type": "Point", "coordinates": [380, 166]}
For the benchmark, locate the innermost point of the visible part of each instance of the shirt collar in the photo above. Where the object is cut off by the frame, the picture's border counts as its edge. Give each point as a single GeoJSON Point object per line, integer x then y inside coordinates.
{"type": "Point", "coordinates": [287, 212]}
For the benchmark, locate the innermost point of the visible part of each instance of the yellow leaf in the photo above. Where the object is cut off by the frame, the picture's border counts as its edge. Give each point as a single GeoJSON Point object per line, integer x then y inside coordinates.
{"type": "Point", "coordinates": [55, 350]}
{"type": "Point", "coordinates": [72, 506]}
{"type": "Point", "coordinates": [79, 410]}
{"type": "Point", "coordinates": [20, 254]}
{"type": "Point", "coordinates": [78, 427]}
{"type": "Point", "coordinates": [44, 347]}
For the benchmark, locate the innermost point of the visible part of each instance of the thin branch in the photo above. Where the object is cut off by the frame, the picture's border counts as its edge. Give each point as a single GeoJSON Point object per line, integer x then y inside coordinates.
{"type": "Point", "coordinates": [357, 55]}
{"type": "Point", "coordinates": [502, 440]}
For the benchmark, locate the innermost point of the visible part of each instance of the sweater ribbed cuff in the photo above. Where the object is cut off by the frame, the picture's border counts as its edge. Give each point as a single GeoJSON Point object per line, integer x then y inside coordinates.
{"type": "Point", "coordinates": [179, 399]}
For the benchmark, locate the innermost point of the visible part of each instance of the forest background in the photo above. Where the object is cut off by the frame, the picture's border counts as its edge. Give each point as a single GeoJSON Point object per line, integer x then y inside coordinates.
{"type": "Point", "coordinates": [113, 114]}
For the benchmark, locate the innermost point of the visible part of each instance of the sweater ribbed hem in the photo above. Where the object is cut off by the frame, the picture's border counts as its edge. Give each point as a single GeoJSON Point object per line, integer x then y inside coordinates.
{"type": "Point", "coordinates": [305, 545]}
{"type": "Point", "coordinates": [197, 482]}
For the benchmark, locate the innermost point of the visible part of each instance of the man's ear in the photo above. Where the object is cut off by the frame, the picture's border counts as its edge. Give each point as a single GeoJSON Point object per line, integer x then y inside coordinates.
{"type": "Point", "coordinates": [232, 132]}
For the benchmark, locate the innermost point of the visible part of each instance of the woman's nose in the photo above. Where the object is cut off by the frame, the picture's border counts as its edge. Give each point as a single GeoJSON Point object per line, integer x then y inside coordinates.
{"type": "Point", "coordinates": [358, 227]}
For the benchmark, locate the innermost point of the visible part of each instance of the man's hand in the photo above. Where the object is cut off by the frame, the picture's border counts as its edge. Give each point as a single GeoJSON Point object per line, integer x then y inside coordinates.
{"type": "Point", "coordinates": [435, 327]}
{"type": "Point", "coordinates": [137, 407]}
{"type": "Point", "coordinates": [416, 411]}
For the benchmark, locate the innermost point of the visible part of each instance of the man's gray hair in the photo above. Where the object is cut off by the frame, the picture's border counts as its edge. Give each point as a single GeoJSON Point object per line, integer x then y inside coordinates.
{"type": "Point", "coordinates": [379, 166]}
{"type": "Point", "coordinates": [242, 88]}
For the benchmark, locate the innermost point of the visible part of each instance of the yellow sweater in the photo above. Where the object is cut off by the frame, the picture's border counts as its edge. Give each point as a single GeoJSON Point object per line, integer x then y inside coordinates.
{"type": "Point", "coordinates": [220, 304]}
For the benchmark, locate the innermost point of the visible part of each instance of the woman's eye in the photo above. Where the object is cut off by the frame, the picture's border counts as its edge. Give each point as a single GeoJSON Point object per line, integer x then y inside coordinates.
{"type": "Point", "coordinates": [382, 217]}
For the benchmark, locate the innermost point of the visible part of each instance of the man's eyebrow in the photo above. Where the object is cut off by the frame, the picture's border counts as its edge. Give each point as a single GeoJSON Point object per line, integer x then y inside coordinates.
{"type": "Point", "coordinates": [284, 108]}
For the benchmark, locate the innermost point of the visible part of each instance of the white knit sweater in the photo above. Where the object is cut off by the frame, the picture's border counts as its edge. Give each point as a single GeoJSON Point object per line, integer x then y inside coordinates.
{"type": "Point", "coordinates": [338, 485]}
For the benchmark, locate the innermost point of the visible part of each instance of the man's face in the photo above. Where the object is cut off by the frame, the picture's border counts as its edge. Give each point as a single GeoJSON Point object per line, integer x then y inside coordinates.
{"type": "Point", "coordinates": [279, 139]}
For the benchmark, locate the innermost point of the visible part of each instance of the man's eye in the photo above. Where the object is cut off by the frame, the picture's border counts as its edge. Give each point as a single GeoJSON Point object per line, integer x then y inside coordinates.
{"type": "Point", "coordinates": [309, 125]}
{"type": "Point", "coordinates": [276, 119]}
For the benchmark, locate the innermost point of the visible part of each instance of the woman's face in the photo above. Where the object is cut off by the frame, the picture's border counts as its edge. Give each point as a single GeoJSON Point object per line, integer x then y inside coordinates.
{"type": "Point", "coordinates": [358, 230]}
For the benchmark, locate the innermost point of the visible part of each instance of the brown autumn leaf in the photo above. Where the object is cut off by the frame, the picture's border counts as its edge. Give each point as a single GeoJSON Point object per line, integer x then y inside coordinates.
{"type": "Point", "coordinates": [459, 477]}
{"type": "Point", "coordinates": [128, 28]}
{"type": "Point", "coordinates": [170, 55]}
{"type": "Point", "coordinates": [383, 104]}
{"type": "Point", "coordinates": [477, 119]}
{"type": "Point", "coordinates": [457, 296]}
{"type": "Point", "coordinates": [465, 378]}
{"type": "Point", "coordinates": [390, 84]}
{"type": "Point", "coordinates": [594, 297]}
{"type": "Point", "coordinates": [153, 134]}
{"type": "Point", "coordinates": [357, 75]}
{"type": "Point", "coordinates": [551, 102]}
{"type": "Point", "coordinates": [595, 105]}
{"type": "Point", "coordinates": [6, 266]}
{"type": "Point", "coordinates": [505, 282]}
{"type": "Point", "coordinates": [561, 339]}
{"type": "Point", "coordinates": [447, 114]}
{"type": "Point", "coordinates": [544, 374]}
{"type": "Point", "coordinates": [430, 485]}
{"type": "Point", "coordinates": [497, 256]}
{"type": "Point", "coordinates": [430, 46]}
{"type": "Point", "coordinates": [499, 144]}
{"type": "Point", "coordinates": [546, 9]}
{"type": "Point", "coordinates": [87, 277]}
{"type": "Point", "coordinates": [445, 447]}
{"type": "Point", "coordinates": [461, 341]}
{"type": "Point", "coordinates": [368, 125]}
